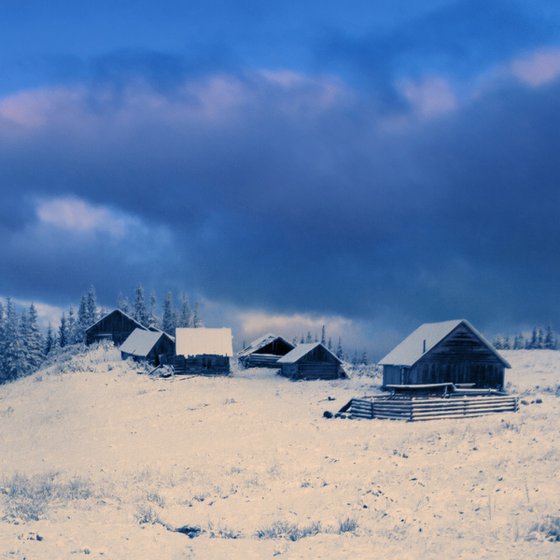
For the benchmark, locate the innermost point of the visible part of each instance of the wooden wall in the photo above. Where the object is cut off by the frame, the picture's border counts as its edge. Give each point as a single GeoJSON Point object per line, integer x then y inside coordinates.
{"type": "Point", "coordinates": [115, 326]}
{"type": "Point", "coordinates": [318, 364]}
{"type": "Point", "coordinates": [459, 358]}
{"type": "Point", "coordinates": [205, 364]}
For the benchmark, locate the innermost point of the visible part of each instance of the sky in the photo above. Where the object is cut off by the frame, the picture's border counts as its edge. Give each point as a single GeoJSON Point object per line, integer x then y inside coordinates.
{"type": "Point", "coordinates": [368, 165]}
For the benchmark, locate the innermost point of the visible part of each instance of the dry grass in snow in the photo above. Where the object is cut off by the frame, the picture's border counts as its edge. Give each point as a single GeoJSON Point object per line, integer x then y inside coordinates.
{"type": "Point", "coordinates": [99, 461]}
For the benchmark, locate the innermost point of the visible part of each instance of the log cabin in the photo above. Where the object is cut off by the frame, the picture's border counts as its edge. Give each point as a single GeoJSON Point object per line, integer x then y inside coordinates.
{"type": "Point", "coordinates": [265, 351]}
{"type": "Point", "coordinates": [447, 352]}
{"type": "Point", "coordinates": [153, 346]}
{"type": "Point", "coordinates": [116, 326]}
{"type": "Point", "coordinates": [311, 361]}
{"type": "Point", "coordinates": [203, 351]}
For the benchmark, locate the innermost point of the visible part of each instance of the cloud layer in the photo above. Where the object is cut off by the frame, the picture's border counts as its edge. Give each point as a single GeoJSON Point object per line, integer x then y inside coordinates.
{"type": "Point", "coordinates": [427, 193]}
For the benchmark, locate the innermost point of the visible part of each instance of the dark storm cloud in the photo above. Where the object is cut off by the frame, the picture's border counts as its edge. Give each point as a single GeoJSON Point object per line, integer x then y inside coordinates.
{"type": "Point", "coordinates": [292, 193]}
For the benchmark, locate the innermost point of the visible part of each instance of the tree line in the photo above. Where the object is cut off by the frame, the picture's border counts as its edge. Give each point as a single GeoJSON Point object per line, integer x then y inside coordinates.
{"type": "Point", "coordinates": [540, 339]}
{"type": "Point", "coordinates": [24, 346]}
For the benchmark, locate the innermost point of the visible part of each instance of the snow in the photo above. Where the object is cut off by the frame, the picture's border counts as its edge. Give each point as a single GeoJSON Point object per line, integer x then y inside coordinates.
{"type": "Point", "coordinates": [197, 341]}
{"type": "Point", "coordinates": [140, 342]}
{"type": "Point", "coordinates": [424, 338]}
{"type": "Point", "coordinates": [245, 455]}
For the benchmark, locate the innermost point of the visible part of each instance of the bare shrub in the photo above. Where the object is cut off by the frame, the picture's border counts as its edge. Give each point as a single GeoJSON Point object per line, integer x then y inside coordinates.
{"type": "Point", "coordinates": [29, 499]}
{"type": "Point", "coordinates": [147, 515]}
{"type": "Point", "coordinates": [548, 528]}
{"type": "Point", "coordinates": [290, 531]}
{"type": "Point", "coordinates": [219, 532]}
{"type": "Point", "coordinates": [347, 526]}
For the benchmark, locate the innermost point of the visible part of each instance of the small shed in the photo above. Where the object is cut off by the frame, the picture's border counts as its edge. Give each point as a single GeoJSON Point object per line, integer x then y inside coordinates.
{"type": "Point", "coordinates": [152, 346]}
{"type": "Point", "coordinates": [203, 351]}
{"type": "Point", "coordinates": [116, 326]}
{"type": "Point", "coordinates": [265, 351]}
{"type": "Point", "coordinates": [447, 352]}
{"type": "Point", "coordinates": [311, 361]}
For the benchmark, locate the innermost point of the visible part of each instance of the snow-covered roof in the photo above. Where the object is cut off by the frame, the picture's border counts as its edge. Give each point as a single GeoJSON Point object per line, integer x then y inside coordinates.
{"type": "Point", "coordinates": [426, 337]}
{"type": "Point", "coordinates": [302, 350]}
{"type": "Point", "coordinates": [194, 342]}
{"type": "Point", "coordinates": [261, 342]}
{"type": "Point", "coordinates": [140, 325]}
{"type": "Point", "coordinates": [140, 342]}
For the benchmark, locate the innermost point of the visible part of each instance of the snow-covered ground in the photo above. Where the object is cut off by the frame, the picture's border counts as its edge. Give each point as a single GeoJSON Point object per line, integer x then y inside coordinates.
{"type": "Point", "coordinates": [99, 461]}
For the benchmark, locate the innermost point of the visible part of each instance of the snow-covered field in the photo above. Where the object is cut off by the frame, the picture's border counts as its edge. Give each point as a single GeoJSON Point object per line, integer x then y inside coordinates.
{"type": "Point", "coordinates": [106, 463]}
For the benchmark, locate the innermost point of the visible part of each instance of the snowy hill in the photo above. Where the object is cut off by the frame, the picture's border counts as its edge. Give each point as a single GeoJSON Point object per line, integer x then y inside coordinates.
{"type": "Point", "coordinates": [100, 461]}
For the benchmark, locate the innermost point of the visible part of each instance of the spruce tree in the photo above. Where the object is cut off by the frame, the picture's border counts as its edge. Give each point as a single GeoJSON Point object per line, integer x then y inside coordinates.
{"type": "Point", "coordinates": [309, 338]}
{"type": "Point", "coordinates": [12, 348]}
{"type": "Point", "coordinates": [549, 339]}
{"type": "Point", "coordinates": [169, 320]}
{"type": "Point", "coordinates": [82, 321]}
{"type": "Point", "coordinates": [339, 349]}
{"type": "Point", "coordinates": [62, 332]}
{"type": "Point", "coordinates": [364, 358]}
{"type": "Point", "coordinates": [33, 341]}
{"type": "Point", "coordinates": [49, 340]}
{"type": "Point", "coordinates": [123, 304]}
{"type": "Point", "coordinates": [140, 313]}
{"type": "Point", "coordinates": [540, 339]}
{"type": "Point", "coordinates": [91, 307]}
{"type": "Point", "coordinates": [152, 312]}
{"type": "Point", "coordinates": [196, 320]}
{"type": "Point", "coordinates": [186, 316]}
{"type": "Point", "coordinates": [329, 344]}
{"type": "Point", "coordinates": [71, 326]}
{"type": "Point", "coordinates": [323, 336]}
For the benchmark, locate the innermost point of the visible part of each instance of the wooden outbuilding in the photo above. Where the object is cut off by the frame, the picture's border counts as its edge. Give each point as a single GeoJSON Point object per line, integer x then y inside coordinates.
{"type": "Point", "coordinates": [311, 361]}
{"type": "Point", "coordinates": [447, 352]}
{"type": "Point", "coordinates": [265, 351]}
{"type": "Point", "coordinates": [203, 351]}
{"type": "Point", "coordinates": [153, 346]}
{"type": "Point", "coordinates": [116, 326]}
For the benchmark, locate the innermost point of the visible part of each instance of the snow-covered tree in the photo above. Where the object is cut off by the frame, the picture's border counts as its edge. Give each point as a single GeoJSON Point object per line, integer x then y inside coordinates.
{"type": "Point", "coordinates": [364, 358]}
{"type": "Point", "coordinates": [196, 320]}
{"type": "Point", "coordinates": [549, 339]}
{"type": "Point", "coordinates": [329, 343]}
{"type": "Point", "coordinates": [50, 341]}
{"type": "Point", "coordinates": [169, 321]}
{"type": "Point", "coordinates": [140, 313]}
{"type": "Point", "coordinates": [339, 350]}
{"type": "Point", "coordinates": [62, 332]}
{"type": "Point", "coordinates": [153, 319]}
{"type": "Point", "coordinates": [323, 336]}
{"type": "Point", "coordinates": [11, 351]}
{"type": "Point", "coordinates": [186, 318]}
{"type": "Point", "coordinates": [91, 307]}
{"type": "Point", "coordinates": [308, 338]}
{"type": "Point", "coordinates": [33, 341]}
{"type": "Point", "coordinates": [123, 304]}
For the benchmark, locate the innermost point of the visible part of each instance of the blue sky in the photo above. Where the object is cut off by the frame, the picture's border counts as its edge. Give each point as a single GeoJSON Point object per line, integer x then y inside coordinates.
{"type": "Point", "coordinates": [372, 165]}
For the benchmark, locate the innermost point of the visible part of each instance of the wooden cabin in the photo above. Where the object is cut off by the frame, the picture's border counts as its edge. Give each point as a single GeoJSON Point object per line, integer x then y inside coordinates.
{"type": "Point", "coordinates": [265, 351]}
{"type": "Point", "coordinates": [116, 326]}
{"type": "Point", "coordinates": [311, 361]}
{"type": "Point", "coordinates": [203, 351]}
{"type": "Point", "coordinates": [447, 352]}
{"type": "Point", "coordinates": [153, 346]}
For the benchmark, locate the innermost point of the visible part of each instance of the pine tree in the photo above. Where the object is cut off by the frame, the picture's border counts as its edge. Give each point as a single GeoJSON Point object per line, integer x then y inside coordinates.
{"type": "Point", "coordinates": [323, 336]}
{"type": "Point", "coordinates": [507, 343]}
{"type": "Point", "coordinates": [49, 340]}
{"type": "Point", "coordinates": [12, 350]}
{"type": "Point", "coordinates": [62, 332]}
{"type": "Point", "coordinates": [71, 326]}
{"type": "Point", "coordinates": [186, 317]}
{"type": "Point", "coordinates": [329, 343]}
{"type": "Point", "coordinates": [91, 307]}
{"type": "Point", "coordinates": [152, 313]}
{"type": "Point", "coordinates": [309, 338]}
{"type": "Point", "coordinates": [355, 357]}
{"type": "Point", "coordinates": [196, 321]}
{"type": "Point", "coordinates": [364, 358]}
{"type": "Point", "coordinates": [302, 339]}
{"type": "Point", "coordinates": [82, 321]}
{"type": "Point", "coordinates": [540, 339]}
{"type": "Point", "coordinates": [33, 341]}
{"type": "Point", "coordinates": [339, 349]}
{"type": "Point", "coordinates": [140, 313]}
{"type": "Point", "coordinates": [123, 304]}
{"type": "Point", "coordinates": [534, 339]}
{"type": "Point", "coordinates": [169, 321]}
{"type": "Point", "coordinates": [295, 341]}
{"type": "Point", "coordinates": [549, 339]}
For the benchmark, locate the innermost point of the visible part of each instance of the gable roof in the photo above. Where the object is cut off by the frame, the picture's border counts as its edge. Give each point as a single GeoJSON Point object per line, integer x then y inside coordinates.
{"type": "Point", "coordinates": [412, 348]}
{"type": "Point", "coordinates": [302, 350]}
{"type": "Point", "coordinates": [140, 342]}
{"type": "Point", "coordinates": [138, 325]}
{"type": "Point", "coordinates": [261, 342]}
{"type": "Point", "coordinates": [194, 342]}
